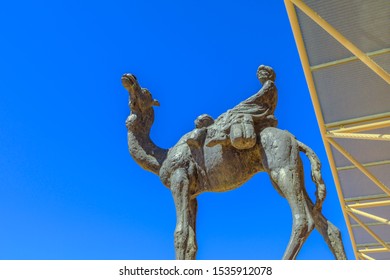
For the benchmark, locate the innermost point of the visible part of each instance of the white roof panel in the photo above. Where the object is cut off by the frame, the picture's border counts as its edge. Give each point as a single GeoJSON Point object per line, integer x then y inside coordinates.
{"type": "Point", "coordinates": [345, 52]}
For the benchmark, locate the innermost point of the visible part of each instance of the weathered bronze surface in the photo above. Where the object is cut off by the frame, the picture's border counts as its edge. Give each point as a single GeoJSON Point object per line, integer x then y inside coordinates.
{"type": "Point", "coordinates": [221, 155]}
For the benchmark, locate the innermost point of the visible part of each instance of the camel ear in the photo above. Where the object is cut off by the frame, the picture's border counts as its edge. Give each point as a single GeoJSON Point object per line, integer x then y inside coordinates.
{"type": "Point", "coordinates": [155, 103]}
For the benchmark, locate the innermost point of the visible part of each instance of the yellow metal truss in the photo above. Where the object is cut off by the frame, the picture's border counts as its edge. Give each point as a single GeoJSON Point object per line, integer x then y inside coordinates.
{"type": "Point", "coordinates": [352, 207]}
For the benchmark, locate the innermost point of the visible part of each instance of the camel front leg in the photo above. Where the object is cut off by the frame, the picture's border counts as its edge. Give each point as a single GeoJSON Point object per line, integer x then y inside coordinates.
{"type": "Point", "coordinates": [186, 208]}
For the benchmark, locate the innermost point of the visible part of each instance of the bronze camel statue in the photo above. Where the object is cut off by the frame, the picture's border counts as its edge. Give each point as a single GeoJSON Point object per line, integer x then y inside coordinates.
{"type": "Point", "coordinates": [221, 155]}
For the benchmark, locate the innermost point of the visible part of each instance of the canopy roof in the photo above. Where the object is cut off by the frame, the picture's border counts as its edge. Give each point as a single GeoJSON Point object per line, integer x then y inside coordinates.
{"type": "Point", "coordinates": [344, 48]}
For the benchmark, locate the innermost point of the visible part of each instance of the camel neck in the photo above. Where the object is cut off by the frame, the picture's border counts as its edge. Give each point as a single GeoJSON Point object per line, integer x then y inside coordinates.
{"type": "Point", "coordinates": [147, 154]}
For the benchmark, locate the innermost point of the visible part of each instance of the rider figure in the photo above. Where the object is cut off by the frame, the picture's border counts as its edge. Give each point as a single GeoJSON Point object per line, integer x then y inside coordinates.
{"type": "Point", "coordinates": [240, 124]}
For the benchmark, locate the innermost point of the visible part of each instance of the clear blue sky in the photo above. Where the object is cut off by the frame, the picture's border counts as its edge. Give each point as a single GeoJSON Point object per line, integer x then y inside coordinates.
{"type": "Point", "coordinates": [68, 186]}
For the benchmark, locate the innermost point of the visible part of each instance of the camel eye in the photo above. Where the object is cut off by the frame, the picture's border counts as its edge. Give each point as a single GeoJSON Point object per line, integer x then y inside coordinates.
{"type": "Point", "coordinates": [135, 77]}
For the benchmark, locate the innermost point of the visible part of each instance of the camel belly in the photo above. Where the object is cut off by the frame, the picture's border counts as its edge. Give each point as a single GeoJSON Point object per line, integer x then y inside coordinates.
{"type": "Point", "coordinates": [227, 168]}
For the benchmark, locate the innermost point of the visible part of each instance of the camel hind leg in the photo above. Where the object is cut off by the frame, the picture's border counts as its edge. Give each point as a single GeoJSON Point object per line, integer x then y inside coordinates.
{"type": "Point", "coordinates": [329, 232]}
{"type": "Point", "coordinates": [281, 160]}
{"type": "Point", "coordinates": [331, 235]}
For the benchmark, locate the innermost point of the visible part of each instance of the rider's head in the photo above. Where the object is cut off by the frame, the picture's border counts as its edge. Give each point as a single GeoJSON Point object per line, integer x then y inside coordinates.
{"type": "Point", "coordinates": [265, 73]}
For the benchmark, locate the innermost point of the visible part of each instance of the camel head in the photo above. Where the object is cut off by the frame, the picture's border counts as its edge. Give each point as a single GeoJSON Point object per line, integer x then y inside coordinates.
{"type": "Point", "coordinates": [140, 98]}
{"type": "Point", "coordinates": [141, 105]}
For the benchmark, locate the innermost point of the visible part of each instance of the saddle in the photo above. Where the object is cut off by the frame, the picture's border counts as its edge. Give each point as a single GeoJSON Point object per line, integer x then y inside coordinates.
{"type": "Point", "coordinates": [241, 133]}
{"type": "Point", "coordinates": [239, 125]}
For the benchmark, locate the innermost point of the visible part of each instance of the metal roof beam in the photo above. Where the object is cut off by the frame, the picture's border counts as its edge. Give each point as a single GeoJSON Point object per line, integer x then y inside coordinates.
{"type": "Point", "coordinates": [347, 60]}
{"type": "Point", "coordinates": [368, 164]}
{"type": "Point", "coordinates": [342, 40]}
{"type": "Point", "coordinates": [364, 127]}
{"type": "Point", "coordinates": [359, 136]}
{"type": "Point", "coordinates": [366, 197]}
{"type": "Point", "coordinates": [370, 204]}
{"type": "Point", "coordinates": [368, 245]}
{"type": "Point", "coordinates": [368, 224]}
{"type": "Point", "coordinates": [382, 186]}
{"type": "Point", "coordinates": [369, 231]}
{"type": "Point", "coordinates": [367, 215]}
{"type": "Point", "coordinates": [358, 121]}
{"type": "Point", "coordinates": [367, 257]}
{"type": "Point", "coordinates": [375, 250]}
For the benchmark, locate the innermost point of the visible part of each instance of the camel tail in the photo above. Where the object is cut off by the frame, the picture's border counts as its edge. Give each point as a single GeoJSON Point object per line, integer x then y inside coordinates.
{"type": "Point", "coordinates": [316, 175]}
